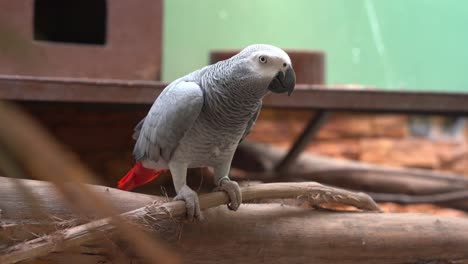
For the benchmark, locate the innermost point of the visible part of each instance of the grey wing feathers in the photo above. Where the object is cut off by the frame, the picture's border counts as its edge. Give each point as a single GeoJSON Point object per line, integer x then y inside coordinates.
{"type": "Point", "coordinates": [251, 123]}
{"type": "Point", "coordinates": [170, 117]}
{"type": "Point", "coordinates": [137, 129]}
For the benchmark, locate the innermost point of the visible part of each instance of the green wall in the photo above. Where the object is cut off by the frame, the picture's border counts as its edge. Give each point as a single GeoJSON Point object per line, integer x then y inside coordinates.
{"type": "Point", "coordinates": [397, 44]}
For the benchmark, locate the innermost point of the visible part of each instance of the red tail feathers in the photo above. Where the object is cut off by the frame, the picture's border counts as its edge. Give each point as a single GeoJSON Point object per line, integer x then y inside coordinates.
{"type": "Point", "coordinates": [138, 176]}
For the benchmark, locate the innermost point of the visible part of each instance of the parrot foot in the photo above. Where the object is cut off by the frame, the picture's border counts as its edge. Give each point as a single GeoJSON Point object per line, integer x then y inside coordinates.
{"type": "Point", "coordinates": [233, 190]}
{"type": "Point", "coordinates": [192, 204]}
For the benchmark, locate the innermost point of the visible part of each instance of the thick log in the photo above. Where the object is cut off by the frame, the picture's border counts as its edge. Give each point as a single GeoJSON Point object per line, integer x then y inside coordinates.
{"type": "Point", "coordinates": [15, 205]}
{"type": "Point", "coordinates": [350, 174]}
{"type": "Point", "coordinates": [256, 233]}
{"type": "Point", "coordinates": [281, 234]}
{"type": "Point", "coordinates": [159, 213]}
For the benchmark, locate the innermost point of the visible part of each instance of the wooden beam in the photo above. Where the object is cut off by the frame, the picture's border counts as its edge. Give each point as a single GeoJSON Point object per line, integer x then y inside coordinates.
{"type": "Point", "coordinates": [335, 98]}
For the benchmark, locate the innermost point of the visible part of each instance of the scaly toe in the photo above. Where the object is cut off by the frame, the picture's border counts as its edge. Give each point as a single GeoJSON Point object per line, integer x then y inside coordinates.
{"type": "Point", "coordinates": [192, 204]}
{"type": "Point", "coordinates": [233, 190]}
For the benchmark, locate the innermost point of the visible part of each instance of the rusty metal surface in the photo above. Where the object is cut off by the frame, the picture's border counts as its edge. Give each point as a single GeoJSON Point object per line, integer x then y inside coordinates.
{"type": "Point", "coordinates": [308, 65]}
{"type": "Point", "coordinates": [132, 49]}
{"type": "Point", "coordinates": [305, 96]}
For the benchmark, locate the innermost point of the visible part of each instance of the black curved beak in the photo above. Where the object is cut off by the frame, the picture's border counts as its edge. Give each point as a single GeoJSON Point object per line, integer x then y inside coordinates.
{"type": "Point", "coordinates": [283, 82]}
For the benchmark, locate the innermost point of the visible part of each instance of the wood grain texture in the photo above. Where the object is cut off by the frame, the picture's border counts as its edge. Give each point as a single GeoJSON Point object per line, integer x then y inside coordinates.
{"type": "Point", "coordinates": [267, 233]}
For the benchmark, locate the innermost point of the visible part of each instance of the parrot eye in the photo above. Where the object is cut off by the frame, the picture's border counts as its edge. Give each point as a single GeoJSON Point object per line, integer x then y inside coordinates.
{"type": "Point", "coordinates": [262, 59]}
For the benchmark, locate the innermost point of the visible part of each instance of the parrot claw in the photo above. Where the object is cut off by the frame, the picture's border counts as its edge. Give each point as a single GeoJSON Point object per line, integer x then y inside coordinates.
{"type": "Point", "coordinates": [192, 204]}
{"type": "Point", "coordinates": [233, 190]}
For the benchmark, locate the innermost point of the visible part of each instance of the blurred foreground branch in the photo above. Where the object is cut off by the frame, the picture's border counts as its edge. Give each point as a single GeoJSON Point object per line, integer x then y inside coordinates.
{"type": "Point", "coordinates": [27, 147]}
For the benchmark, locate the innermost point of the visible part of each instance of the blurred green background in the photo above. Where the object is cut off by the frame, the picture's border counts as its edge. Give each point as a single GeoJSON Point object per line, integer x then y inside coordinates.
{"type": "Point", "coordinates": [393, 44]}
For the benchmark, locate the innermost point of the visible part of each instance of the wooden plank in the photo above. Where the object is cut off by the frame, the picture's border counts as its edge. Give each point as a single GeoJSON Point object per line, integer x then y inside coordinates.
{"type": "Point", "coordinates": [27, 88]}
{"type": "Point", "coordinates": [304, 97]}
{"type": "Point", "coordinates": [372, 100]}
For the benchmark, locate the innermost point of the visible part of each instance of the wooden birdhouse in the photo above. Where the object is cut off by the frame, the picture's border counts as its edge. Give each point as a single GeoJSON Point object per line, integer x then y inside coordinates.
{"type": "Point", "coordinates": [105, 39]}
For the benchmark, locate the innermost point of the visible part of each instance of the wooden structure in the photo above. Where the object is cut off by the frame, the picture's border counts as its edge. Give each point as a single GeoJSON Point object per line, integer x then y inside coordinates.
{"type": "Point", "coordinates": [116, 39]}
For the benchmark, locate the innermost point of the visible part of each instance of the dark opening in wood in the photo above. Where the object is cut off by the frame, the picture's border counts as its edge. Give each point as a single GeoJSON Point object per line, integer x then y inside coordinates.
{"type": "Point", "coordinates": [79, 21]}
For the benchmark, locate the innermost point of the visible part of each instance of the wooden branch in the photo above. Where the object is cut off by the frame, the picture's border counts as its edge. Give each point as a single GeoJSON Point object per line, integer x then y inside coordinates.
{"type": "Point", "coordinates": [267, 233]}
{"type": "Point", "coordinates": [351, 174]}
{"type": "Point", "coordinates": [420, 199]}
{"type": "Point", "coordinates": [315, 193]}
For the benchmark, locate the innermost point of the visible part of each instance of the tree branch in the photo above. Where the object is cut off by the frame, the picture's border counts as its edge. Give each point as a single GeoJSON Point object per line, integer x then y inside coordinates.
{"type": "Point", "coordinates": [447, 197]}
{"type": "Point", "coordinates": [315, 193]}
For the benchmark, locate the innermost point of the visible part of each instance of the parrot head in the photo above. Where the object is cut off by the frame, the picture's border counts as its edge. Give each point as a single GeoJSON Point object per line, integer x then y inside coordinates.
{"type": "Point", "coordinates": [272, 64]}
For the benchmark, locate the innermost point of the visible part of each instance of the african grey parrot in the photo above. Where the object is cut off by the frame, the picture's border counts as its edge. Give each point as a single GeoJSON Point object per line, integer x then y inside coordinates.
{"type": "Point", "coordinates": [200, 119]}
